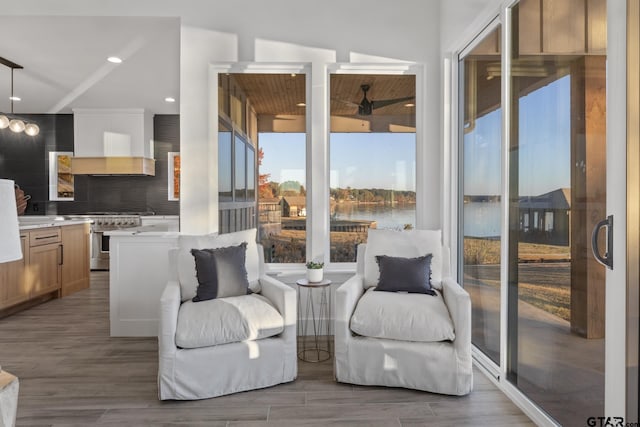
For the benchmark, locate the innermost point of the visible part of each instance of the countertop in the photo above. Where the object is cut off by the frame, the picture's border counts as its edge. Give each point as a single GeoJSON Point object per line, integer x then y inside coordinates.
{"type": "Point", "coordinates": [35, 222]}
{"type": "Point", "coordinates": [160, 217]}
{"type": "Point", "coordinates": [146, 230]}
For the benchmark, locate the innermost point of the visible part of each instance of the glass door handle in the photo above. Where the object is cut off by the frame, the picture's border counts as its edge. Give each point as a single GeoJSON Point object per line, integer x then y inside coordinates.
{"type": "Point", "coordinates": [607, 258]}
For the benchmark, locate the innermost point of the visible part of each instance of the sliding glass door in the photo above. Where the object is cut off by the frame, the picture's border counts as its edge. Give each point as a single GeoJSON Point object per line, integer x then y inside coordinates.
{"type": "Point", "coordinates": [557, 190]}
{"type": "Point", "coordinates": [480, 186]}
{"type": "Point", "coordinates": [542, 164]}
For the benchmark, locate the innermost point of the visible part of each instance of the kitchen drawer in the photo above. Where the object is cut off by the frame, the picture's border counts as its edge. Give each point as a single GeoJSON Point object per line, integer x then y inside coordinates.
{"type": "Point", "coordinates": [44, 236]}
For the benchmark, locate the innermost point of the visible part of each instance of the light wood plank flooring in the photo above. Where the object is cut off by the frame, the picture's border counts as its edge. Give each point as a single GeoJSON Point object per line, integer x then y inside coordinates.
{"type": "Point", "coordinates": [73, 374]}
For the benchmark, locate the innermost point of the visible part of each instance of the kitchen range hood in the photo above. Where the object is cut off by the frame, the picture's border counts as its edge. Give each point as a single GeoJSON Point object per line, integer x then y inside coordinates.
{"type": "Point", "coordinates": [112, 142]}
{"type": "Point", "coordinates": [113, 166]}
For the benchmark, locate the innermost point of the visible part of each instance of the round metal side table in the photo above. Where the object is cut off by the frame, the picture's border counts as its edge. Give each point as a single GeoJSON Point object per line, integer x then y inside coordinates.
{"type": "Point", "coordinates": [317, 346]}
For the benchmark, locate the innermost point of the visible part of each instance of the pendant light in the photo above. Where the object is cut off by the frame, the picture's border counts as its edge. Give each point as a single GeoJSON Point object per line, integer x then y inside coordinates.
{"type": "Point", "coordinates": [14, 123]}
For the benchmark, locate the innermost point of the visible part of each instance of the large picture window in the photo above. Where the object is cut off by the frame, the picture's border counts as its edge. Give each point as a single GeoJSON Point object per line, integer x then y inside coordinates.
{"type": "Point", "coordinates": [372, 158]}
{"type": "Point", "coordinates": [266, 155]}
{"type": "Point", "coordinates": [269, 159]}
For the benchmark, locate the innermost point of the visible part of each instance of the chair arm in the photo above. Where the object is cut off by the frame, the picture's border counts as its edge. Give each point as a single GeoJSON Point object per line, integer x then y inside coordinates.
{"type": "Point", "coordinates": [169, 307]}
{"type": "Point", "coordinates": [284, 298]}
{"type": "Point", "coordinates": [347, 296]}
{"type": "Point", "coordinates": [459, 304]}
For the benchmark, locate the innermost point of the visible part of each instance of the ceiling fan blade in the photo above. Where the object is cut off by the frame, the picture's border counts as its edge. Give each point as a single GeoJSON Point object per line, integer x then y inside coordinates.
{"type": "Point", "coordinates": [349, 103]}
{"type": "Point", "coordinates": [384, 102]}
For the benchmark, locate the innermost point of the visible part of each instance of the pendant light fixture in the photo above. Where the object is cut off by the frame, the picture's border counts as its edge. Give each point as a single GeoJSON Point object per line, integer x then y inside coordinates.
{"type": "Point", "coordinates": [14, 123]}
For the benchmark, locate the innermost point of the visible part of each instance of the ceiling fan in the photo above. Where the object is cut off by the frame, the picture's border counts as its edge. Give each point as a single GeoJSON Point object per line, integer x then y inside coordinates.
{"type": "Point", "coordinates": [366, 107]}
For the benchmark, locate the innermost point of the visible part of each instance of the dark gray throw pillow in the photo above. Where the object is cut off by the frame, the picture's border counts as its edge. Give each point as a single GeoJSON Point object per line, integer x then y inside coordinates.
{"type": "Point", "coordinates": [221, 272]}
{"type": "Point", "coordinates": [405, 274]}
{"type": "Point", "coordinates": [206, 274]}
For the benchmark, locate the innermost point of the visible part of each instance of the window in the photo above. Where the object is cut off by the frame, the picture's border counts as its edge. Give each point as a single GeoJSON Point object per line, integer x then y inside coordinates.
{"type": "Point", "coordinates": [251, 173]}
{"type": "Point", "coordinates": [548, 221]}
{"type": "Point", "coordinates": [282, 196]}
{"type": "Point", "coordinates": [264, 154]}
{"type": "Point", "coordinates": [173, 173]}
{"type": "Point", "coordinates": [61, 181]}
{"type": "Point", "coordinates": [373, 125]}
{"type": "Point", "coordinates": [240, 169]}
{"type": "Point", "coordinates": [372, 129]}
{"type": "Point", "coordinates": [236, 157]}
{"type": "Point", "coordinates": [225, 160]}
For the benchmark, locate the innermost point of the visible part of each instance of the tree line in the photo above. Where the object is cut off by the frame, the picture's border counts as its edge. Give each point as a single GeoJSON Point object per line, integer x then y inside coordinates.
{"type": "Point", "coordinates": [372, 195]}
{"type": "Point", "coordinates": [270, 189]}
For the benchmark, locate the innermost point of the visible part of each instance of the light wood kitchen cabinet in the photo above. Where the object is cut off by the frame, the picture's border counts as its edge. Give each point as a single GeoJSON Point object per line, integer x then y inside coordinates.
{"type": "Point", "coordinates": [55, 263]}
{"type": "Point", "coordinates": [45, 258]}
{"type": "Point", "coordinates": [75, 258]}
{"type": "Point", "coordinates": [44, 236]}
{"type": "Point", "coordinates": [15, 288]}
{"type": "Point", "coordinates": [43, 270]}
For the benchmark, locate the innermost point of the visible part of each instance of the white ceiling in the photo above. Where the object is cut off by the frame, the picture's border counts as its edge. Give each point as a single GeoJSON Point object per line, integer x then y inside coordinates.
{"type": "Point", "coordinates": [65, 63]}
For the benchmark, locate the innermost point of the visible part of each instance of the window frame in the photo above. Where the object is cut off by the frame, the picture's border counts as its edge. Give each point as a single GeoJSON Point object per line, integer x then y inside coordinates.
{"type": "Point", "coordinates": [269, 68]}
{"type": "Point", "coordinates": [421, 155]}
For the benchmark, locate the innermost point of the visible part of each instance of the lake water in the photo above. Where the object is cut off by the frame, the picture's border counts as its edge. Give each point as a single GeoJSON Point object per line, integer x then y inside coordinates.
{"type": "Point", "coordinates": [385, 215]}
{"type": "Point", "coordinates": [482, 219]}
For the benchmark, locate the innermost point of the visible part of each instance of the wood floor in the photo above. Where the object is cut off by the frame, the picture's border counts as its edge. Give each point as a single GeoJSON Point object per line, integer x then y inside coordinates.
{"type": "Point", "coordinates": [73, 374]}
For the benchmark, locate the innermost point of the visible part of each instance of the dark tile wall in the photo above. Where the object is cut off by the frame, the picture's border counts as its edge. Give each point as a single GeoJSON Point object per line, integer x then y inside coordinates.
{"type": "Point", "coordinates": [25, 159]}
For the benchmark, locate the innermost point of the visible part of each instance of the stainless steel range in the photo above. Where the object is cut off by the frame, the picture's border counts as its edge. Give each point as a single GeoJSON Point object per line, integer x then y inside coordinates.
{"type": "Point", "coordinates": [102, 222]}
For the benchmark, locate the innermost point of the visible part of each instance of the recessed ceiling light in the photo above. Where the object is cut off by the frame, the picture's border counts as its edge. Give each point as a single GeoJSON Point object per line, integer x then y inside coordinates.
{"type": "Point", "coordinates": [293, 74]}
{"type": "Point", "coordinates": [169, 99]}
{"type": "Point", "coordinates": [301, 104]}
{"type": "Point", "coordinates": [15, 98]}
{"type": "Point", "coordinates": [114, 59]}
{"type": "Point", "coordinates": [410, 104]}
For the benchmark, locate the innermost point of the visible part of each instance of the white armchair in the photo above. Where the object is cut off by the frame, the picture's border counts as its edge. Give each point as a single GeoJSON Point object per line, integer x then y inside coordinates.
{"type": "Point", "coordinates": [258, 359]}
{"type": "Point", "coordinates": [440, 366]}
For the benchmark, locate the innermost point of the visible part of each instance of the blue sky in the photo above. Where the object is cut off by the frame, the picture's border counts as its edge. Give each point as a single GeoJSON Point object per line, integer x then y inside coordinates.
{"type": "Point", "coordinates": [283, 156]}
{"type": "Point", "coordinates": [358, 160]}
{"type": "Point", "coordinates": [544, 152]}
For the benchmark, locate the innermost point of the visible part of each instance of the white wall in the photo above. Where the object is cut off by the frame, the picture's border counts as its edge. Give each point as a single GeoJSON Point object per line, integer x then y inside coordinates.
{"type": "Point", "coordinates": [279, 30]}
{"type": "Point", "coordinates": [463, 19]}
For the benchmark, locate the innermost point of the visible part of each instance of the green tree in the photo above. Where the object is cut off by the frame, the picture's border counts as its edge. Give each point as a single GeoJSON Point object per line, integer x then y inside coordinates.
{"type": "Point", "coordinates": [264, 187]}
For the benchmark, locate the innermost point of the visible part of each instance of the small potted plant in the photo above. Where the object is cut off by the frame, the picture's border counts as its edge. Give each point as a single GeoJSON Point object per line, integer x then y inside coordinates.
{"type": "Point", "coordinates": [314, 271]}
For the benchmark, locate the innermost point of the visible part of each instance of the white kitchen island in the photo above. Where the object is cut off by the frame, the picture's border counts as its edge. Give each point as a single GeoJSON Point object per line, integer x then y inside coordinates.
{"type": "Point", "coordinates": [138, 273]}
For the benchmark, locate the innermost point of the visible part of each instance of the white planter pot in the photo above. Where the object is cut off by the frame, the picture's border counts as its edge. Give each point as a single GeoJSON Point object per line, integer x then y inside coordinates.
{"type": "Point", "coordinates": [314, 275]}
